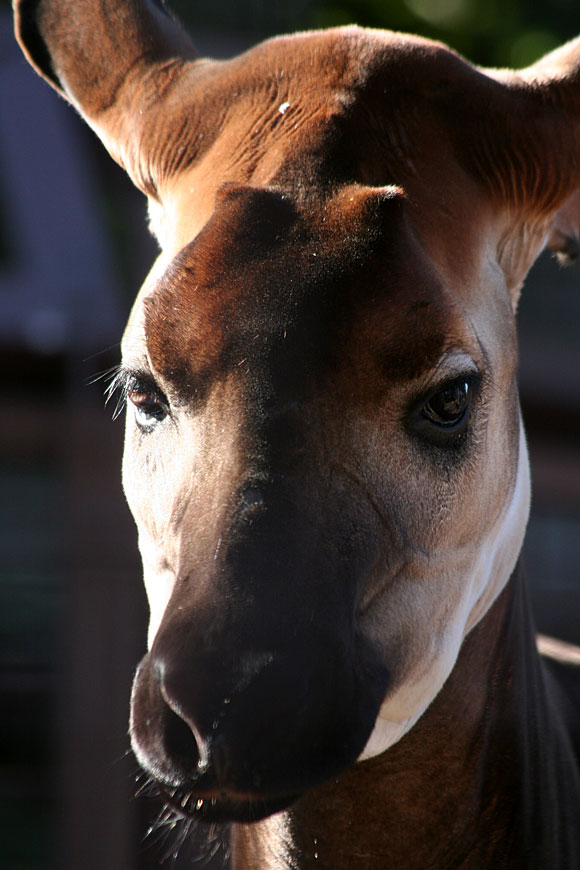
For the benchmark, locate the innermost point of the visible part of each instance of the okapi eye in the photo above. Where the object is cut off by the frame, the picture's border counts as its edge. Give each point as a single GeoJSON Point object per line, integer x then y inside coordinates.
{"type": "Point", "coordinates": [149, 404]}
{"type": "Point", "coordinates": [441, 417]}
{"type": "Point", "coordinates": [448, 406]}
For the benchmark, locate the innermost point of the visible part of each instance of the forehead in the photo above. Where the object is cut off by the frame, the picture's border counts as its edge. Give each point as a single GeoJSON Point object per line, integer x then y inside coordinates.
{"type": "Point", "coordinates": [289, 293]}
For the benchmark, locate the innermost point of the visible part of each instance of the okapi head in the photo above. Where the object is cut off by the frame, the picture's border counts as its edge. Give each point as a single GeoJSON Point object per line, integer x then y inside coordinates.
{"type": "Point", "coordinates": [324, 452]}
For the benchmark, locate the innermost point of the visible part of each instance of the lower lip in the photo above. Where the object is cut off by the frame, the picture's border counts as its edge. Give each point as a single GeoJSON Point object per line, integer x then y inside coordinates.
{"type": "Point", "coordinates": [223, 808]}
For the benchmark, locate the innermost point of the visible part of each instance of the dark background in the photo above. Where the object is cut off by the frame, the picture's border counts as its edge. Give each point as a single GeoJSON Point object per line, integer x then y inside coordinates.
{"type": "Point", "coordinates": [73, 250]}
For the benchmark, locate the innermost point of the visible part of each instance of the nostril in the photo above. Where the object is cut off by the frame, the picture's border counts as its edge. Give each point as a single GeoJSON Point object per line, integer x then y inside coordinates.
{"type": "Point", "coordinates": [168, 738]}
{"type": "Point", "coordinates": [193, 716]}
{"type": "Point", "coordinates": [183, 737]}
{"type": "Point", "coordinates": [194, 750]}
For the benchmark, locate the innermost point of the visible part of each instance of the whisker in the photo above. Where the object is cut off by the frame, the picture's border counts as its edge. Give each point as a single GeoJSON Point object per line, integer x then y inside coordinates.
{"type": "Point", "coordinates": [147, 788]}
{"type": "Point", "coordinates": [171, 833]}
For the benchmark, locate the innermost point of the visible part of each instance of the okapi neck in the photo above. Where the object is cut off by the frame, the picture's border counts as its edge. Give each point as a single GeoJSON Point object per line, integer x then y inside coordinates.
{"type": "Point", "coordinates": [470, 786]}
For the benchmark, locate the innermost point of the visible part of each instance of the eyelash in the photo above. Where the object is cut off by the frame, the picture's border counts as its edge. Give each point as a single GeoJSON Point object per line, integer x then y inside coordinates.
{"type": "Point", "coordinates": [116, 390]}
{"type": "Point", "coordinates": [123, 383]}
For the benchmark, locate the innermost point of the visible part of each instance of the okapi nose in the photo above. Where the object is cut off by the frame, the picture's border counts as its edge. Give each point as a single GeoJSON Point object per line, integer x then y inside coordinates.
{"type": "Point", "coordinates": [181, 716]}
{"type": "Point", "coordinates": [164, 736]}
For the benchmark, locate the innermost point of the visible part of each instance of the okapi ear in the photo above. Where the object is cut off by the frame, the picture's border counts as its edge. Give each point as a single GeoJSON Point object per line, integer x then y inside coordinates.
{"type": "Point", "coordinates": [119, 64]}
{"type": "Point", "coordinates": [530, 152]}
{"type": "Point", "coordinates": [564, 239]}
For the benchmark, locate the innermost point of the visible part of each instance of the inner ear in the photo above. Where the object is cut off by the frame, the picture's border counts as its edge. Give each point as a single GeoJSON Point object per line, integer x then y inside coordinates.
{"type": "Point", "coordinates": [29, 35]}
{"type": "Point", "coordinates": [520, 138]}
{"type": "Point", "coordinates": [127, 67]}
{"type": "Point", "coordinates": [564, 239]}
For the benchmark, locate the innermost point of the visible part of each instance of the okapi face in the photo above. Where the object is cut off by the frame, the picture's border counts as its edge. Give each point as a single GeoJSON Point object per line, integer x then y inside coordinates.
{"type": "Point", "coordinates": [324, 453]}
{"type": "Point", "coordinates": [326, 496]}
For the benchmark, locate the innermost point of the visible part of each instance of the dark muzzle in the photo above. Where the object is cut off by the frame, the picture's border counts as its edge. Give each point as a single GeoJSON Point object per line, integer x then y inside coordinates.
{"type": "Point", "coordinates": [260, 688]}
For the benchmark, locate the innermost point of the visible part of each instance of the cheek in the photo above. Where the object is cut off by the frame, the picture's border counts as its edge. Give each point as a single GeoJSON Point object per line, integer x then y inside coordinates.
{"type": "Point", "coordinates": [149, 503]}
{"type": "Point", "coordinates": [136, 483]}
{"type": "Point", "coordinates": [153, 472]}
{"type": "Point", "coordinates": [471, 542]}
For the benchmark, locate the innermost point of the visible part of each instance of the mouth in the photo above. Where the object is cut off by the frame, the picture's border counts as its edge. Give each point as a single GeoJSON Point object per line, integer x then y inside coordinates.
{"type": "Point", "coordinates": [222, 807]}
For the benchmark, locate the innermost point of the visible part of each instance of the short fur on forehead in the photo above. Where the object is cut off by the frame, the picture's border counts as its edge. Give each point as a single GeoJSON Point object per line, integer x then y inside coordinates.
{"type": "Point", "coordinates": [266, 274]}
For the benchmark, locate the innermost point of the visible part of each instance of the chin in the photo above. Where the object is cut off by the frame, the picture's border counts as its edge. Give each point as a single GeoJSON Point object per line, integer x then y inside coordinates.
{"type": "Point", "coordinates": [222, 808]}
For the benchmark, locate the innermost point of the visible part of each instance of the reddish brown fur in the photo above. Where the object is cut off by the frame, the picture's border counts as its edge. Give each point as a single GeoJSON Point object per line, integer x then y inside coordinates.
{"type": "Point", "coordinates": [362, 281]}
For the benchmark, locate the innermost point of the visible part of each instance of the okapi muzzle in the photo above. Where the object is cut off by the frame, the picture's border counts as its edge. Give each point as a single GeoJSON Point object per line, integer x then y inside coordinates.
{"type": "Point", "coordinates": [260, 684]}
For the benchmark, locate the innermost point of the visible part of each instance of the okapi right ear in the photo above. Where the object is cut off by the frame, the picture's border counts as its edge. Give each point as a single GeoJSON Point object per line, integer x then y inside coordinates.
{"type": "Point", "coordinates": [527, 147]}
{"type": "Point", "coordinates": [118, 63]}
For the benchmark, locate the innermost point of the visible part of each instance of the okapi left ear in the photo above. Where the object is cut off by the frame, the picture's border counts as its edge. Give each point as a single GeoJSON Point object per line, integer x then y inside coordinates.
{"type": "Point", "coordinates": [564, 237]}
{"type": "Point", "coordinates": [530, 154]}
{"type": "Point", "coordinates": [122, 65]}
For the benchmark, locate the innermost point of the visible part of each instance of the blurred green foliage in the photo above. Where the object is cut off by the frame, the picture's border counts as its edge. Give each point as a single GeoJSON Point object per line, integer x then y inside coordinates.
{"type": "Point", "coordinates": [490, 32]}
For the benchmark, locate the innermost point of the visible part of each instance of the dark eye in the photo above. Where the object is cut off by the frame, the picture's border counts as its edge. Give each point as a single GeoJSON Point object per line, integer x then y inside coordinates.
{"type": "Point", "coordinates": [442, 416]}
{"type": "Point", "coordinates": [448, 406]}
{"type": "Point", "coordinates": [150, 405]}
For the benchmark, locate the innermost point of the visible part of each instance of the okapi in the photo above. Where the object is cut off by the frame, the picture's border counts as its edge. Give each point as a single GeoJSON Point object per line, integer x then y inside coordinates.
{"type": "Point", "coordinates": [324, 450]}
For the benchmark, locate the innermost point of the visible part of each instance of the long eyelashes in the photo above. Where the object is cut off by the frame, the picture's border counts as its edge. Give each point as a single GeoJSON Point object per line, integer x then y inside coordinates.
{"type": "Point", "coordinates": [117, 389]}
{"type": "Point", "coordinates": [149, 403]}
